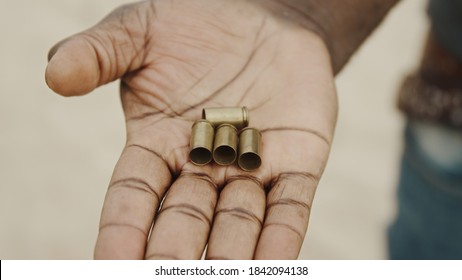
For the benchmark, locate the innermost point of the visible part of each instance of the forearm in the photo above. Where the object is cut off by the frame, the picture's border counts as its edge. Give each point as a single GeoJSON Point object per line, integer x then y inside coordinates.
{"type": "Point", "coordinates": [343, 24]}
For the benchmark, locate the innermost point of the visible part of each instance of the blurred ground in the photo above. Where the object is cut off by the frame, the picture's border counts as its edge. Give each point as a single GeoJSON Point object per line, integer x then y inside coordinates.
{"type": "Point", "coordinates": [57, 154]}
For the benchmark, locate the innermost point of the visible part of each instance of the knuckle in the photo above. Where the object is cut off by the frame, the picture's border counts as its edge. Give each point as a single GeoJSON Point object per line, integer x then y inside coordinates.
{"type": "Point", "coordinates": [188, 210]}
{"type": "Point", "coordinates": [242, 214]}
{"type": "Point", "coordinates": [136, 184]}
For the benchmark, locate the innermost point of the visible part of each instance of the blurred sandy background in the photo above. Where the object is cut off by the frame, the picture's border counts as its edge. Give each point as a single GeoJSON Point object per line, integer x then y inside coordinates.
{"type": "Point", "coordinates": [57, 154]}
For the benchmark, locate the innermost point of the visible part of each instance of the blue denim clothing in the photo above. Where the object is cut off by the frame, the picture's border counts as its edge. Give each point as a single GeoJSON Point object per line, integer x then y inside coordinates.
{"type": "Point", "coordinates": [429, 222]}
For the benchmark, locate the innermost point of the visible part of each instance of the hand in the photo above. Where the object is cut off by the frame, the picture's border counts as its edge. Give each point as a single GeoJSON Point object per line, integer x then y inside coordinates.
{"type": "Point", "coordinates": [175, 58]}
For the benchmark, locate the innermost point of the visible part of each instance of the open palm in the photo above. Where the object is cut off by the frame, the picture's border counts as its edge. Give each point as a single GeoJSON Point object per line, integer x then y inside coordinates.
{"type": "Point", "coordinates": [175, 58]}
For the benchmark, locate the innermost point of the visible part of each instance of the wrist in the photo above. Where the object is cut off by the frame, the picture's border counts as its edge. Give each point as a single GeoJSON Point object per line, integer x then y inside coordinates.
{"type": "Point", "coordinates": [342, 24]}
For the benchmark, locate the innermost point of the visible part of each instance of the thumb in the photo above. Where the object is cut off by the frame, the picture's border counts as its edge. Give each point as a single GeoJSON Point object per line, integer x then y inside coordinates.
{"type": "Point", "coordinates": [104, 53]}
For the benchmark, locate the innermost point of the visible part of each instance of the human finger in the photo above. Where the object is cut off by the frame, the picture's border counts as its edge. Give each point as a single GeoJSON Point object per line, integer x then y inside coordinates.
{"type": "Point", "coordinates": [183, 223]}
{"type": "Point", "coordinates": [287, 213]}
{"type": "Point", "coordinates": [101, 54]}
{"type": "Point", "coordinates": [238, 219]}
{"type": "Point", "coordinates": [139, 181]}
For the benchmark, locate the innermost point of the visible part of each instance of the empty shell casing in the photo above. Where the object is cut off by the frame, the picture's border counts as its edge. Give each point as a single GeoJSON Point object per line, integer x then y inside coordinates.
{"type": "Point", "coordinates": [225, 146]}
{"type": "Point", "coordinates": [201, 142]}
{"type": "Point", "coordinates": [236, 116]}
{"type": "Point", "coordinates": [249, 149]}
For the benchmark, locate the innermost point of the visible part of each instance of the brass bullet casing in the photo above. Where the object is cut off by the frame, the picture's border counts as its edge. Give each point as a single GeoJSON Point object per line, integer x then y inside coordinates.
{"type": "Point", "coordinates": [225, 146]}
{"type": "Point", "coordinates": [201, 142]}
{"type": "Point", "coordinates": [236, 116]}
{"type": "Point", "coordinates": [249, 149]}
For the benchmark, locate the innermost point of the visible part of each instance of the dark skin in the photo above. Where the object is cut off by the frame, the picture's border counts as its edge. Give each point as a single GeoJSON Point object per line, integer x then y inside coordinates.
{"type": "Point", "coordinates": [175, 58]}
